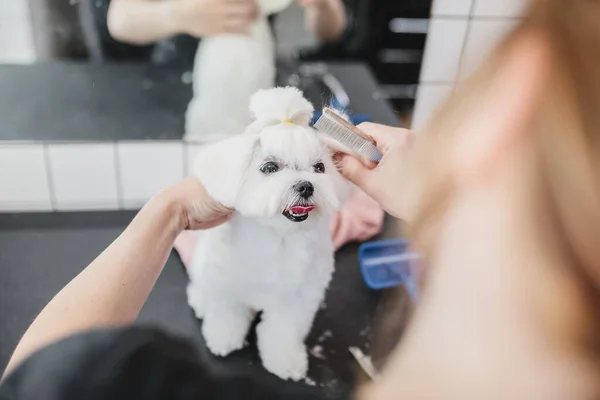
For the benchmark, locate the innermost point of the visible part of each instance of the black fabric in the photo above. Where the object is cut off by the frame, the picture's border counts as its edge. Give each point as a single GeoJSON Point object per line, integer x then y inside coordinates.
{"type": "Point", "coordinates": [132, 363]}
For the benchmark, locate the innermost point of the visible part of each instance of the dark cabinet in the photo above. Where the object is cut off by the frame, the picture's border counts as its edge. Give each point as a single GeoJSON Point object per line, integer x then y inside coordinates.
{"type": "Point", "coordinates": [398, 34]}
{"type": "Point", "coordinates": [390, 36]}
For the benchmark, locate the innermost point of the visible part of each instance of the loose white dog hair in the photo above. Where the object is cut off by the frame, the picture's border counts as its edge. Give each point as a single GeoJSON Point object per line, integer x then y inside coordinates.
{"type": "Point", "coordinates": [276, 254]}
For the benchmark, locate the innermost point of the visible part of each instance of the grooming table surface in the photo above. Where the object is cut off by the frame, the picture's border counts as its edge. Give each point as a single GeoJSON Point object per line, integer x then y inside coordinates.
{"type": "Point", "coordinates": [40, 253]}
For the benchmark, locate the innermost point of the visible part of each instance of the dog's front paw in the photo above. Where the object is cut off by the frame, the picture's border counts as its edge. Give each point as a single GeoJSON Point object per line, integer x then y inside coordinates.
{"type": "Point", "coordinates": [224, 344]}
{"type": "Point", "coordinates": [225, 333]}
{"type": "Point", "coordinates": [221, 342]}
{"type": "Point", "coordinates": [195, 301]}
{"type": "Point", "coordinates": [290, 362]}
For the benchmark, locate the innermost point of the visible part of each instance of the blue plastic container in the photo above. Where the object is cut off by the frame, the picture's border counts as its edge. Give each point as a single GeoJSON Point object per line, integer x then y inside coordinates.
{"type": "Point", "coordinates": [385, 264]}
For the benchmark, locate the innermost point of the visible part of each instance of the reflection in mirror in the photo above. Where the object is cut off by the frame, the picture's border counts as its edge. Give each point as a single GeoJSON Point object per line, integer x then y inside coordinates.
{"type": "Point", "coordinates": [106, 63]}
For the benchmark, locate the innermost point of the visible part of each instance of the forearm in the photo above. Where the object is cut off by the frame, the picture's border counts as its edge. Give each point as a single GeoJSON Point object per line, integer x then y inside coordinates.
{"type": "Point", "coordinates": [142, 22]}
{"type": "Point", "coordinates": [326, 20]}
{"type": "Point", "coordinates": [113, 288]}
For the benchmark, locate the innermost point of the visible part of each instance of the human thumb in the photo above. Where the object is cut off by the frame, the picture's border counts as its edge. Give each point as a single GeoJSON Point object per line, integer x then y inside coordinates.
{"type": "Point", "coordinates": [354, 170]}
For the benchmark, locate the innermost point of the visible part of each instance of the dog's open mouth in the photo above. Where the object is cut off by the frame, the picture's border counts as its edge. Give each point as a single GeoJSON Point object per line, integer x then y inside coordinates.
{"type": "Point", "coordinates": [298, 213]}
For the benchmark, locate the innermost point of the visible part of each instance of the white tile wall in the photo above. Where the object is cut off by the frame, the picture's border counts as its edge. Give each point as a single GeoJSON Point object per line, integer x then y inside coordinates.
{"type": "Point", "coordinates": [429, 97]}
{"type": "Point", "coordinates": [484, 36]}
{"type": "Point", "coordinates": [84, 176]}
{"type": "Point", "coordinates": [16, 35]}
{"type": "Point", "coordinates": [14, 8]}
{"type": "Point", "coordinates": [451, 8]}
{"type": "Point", "coordinates": [499, 8]}
{"type": "Point", "coordinates": [486, 21]}
{"type": "Point", "coordinates": [445, 42]}
{"type": "Point", "coordinates": [94, 176]}
{"type": "Point", "coordinates": [16, 43]}
{"type": "Point", "coordinates": [146, 168]}
{"type": "Point", "coordinates": [24, 179]}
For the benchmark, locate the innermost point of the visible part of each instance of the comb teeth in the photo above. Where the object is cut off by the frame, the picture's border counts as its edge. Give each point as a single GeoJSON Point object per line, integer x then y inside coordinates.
{"type": "Point", "coordinates": [361, 146]}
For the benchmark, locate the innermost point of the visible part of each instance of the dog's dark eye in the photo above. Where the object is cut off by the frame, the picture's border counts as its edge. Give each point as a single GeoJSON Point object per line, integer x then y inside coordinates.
{"type": "Point", "coordinates": [319, 168]}
{"type": "Point", "coordinates": [269, 168]}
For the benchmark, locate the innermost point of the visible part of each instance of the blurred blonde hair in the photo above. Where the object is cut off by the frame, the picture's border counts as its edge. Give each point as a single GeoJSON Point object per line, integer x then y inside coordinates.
{"type": "Point", "coordinates": [566, 140]}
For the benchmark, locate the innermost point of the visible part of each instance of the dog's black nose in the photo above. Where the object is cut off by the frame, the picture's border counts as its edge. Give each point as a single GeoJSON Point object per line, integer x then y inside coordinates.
{"type": "Point", "coordinates": [305, 189]}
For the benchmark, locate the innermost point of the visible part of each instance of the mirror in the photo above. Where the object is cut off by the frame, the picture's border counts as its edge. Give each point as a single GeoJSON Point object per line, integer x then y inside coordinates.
{"type": "Point", "coordinates": [70, 72]}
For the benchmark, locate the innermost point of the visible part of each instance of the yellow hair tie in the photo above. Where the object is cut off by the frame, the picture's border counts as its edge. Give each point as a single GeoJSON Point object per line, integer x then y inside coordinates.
{"type": "Point", "coordinates": [288, 121]}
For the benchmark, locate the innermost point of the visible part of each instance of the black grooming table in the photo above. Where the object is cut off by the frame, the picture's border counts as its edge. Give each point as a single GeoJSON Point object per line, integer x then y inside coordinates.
{"type": "Point", "coordinates": [40, 253]}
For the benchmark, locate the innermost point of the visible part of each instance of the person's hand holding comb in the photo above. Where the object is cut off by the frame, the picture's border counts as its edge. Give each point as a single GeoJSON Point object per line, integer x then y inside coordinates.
{"type": "Point", "coordinates": [383, 181]}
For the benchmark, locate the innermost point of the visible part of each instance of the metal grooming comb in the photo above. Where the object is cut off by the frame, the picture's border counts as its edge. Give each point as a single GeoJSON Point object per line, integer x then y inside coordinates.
{"type": "Point", "coordinates": [347, 134]}
{"type": "Point", "coordinates": [364, 362]}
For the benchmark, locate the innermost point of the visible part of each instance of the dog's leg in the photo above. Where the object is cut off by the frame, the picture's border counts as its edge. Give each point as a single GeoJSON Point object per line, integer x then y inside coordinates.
{"type": "Point", "coordinates": [195, 301]}
{"type": "Point", "coordinates": [281, 335]}
{"type": "Point", "coordinates": [225, 326]}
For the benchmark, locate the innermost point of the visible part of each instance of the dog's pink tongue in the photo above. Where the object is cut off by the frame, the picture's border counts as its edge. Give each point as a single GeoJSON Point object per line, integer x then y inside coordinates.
{"type": "Point", "coordinates": [301, 209]}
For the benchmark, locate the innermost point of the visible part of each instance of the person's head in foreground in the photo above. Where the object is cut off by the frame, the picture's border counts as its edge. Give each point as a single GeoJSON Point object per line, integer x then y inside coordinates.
{"type": "Point", "coordinates": [505, 206]}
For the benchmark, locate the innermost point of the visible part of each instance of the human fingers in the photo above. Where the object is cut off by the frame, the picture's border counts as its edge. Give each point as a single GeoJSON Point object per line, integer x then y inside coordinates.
{"type": "Point", "coordinates": [385, 137]}
{"type": "Point", "coordinates": [356, 172]}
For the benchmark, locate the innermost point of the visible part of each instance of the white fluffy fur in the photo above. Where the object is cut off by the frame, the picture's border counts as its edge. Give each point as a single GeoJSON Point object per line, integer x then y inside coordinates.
{"type": "Point", "coordinates": [260, 260]}
{"type": "Point", "coordinates": [228, 70]}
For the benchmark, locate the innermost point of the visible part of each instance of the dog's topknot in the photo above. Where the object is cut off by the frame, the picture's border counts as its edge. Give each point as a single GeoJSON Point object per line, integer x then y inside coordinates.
{"type": "Point", "coordinates": [282, 104]}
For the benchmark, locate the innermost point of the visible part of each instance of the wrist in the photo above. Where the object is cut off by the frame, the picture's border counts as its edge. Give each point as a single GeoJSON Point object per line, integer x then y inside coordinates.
{"type": "Point", "coordinates": [171, 202]}
{"type": "Point", "coordinates": [175, 12]}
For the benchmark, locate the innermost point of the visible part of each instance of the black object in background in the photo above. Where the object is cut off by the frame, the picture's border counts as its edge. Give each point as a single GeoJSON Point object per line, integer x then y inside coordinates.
{"type": "Point", "coordinates": [388, 34]}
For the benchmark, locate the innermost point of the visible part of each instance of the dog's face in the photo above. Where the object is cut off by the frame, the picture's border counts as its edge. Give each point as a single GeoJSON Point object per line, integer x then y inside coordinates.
{"type": "Point", "coordinates": [279, 171]}
{"type": "Point", "coordinates": [290, 177]}
{"type": "Point", "coordinates": [282, 175]}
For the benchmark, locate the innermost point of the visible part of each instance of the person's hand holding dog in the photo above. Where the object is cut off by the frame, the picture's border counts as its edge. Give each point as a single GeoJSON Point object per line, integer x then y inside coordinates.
{"type": "Point", "coordinates": [381, 181]}
{"type": "Point", "coordinates": [146, 21]}
{"type": "Point", "coordinates": [200, 18]}
{"type": "Point", "coordinates": [194, 207]}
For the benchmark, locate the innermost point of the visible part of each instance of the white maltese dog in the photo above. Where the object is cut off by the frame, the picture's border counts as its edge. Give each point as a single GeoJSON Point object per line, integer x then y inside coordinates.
{"type": "Point", "coordinates": [228, 70]}
{"type": "Point", "coordinates": [276, 253]}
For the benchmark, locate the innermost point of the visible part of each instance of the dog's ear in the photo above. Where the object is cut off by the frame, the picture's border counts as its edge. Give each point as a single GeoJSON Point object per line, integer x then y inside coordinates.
{"type": "Point", "coordinates": [221, 167]}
